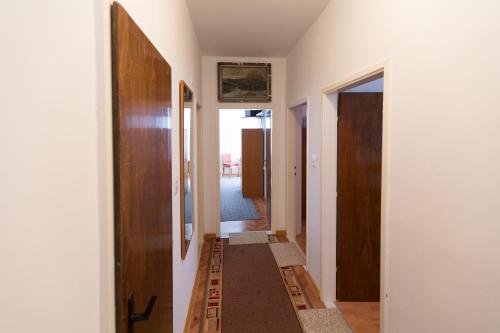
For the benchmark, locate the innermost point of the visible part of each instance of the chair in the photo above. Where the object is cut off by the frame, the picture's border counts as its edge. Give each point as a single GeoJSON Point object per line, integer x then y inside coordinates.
{"type": "Point", "coordinates": [228, 163]}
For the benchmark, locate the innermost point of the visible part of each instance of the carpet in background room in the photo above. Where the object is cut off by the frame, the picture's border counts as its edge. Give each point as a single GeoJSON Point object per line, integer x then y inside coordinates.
{"type": "Point", "coordinates": [233, 206]}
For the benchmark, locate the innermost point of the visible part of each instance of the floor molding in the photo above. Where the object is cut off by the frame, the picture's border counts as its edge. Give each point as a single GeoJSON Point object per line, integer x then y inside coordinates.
{"type": "Point", "coordinates": [280, 233]}
{"type": "Point", "coordinates": [330, 305]}
{"type": "Point", "coordinates": [209, 236]}
{"type": "Point", "coordinates": [192, 302]}
{"type": "Point", "coordinates": [311, 281]}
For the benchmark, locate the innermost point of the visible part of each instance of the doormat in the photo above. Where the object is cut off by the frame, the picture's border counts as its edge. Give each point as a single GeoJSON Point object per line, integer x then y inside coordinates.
{"type": "Point", "coordinates": [212, 311]}
{"type": "Point", "coordinates": [323, 321]}
{"type": "Point", "coordinates": [287, 254]}
{"type": "Point", "coordinates": [249, 237]}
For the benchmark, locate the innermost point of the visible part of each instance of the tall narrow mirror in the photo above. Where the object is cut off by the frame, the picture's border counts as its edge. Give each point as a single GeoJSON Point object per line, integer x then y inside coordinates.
{"type": "Point", "coordinates": [186, 166]}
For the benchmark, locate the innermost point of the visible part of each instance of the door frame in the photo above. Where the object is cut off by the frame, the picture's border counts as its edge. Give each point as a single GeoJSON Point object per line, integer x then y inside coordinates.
{"type": "Point", "coordinates": [291, 179]}
{"type": "Point", "coordinates": [198, 174]}
{"type": "Point", "coordinates": [218, 156]}
{"type": "Point", "coordinates": [329, 184]}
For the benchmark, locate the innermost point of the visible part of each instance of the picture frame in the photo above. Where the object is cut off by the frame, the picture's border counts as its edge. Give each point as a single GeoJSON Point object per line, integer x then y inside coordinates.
{"type": "Point", "coordinates": [244, 82]}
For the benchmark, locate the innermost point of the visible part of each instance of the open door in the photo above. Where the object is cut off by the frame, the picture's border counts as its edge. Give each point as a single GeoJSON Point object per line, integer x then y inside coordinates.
{"type": "Point", "coordinates": [359, 174]}
{"type": "Point", "coordinates": [252, 158]}
{"type": "Point", "coordinates": [142, 113]}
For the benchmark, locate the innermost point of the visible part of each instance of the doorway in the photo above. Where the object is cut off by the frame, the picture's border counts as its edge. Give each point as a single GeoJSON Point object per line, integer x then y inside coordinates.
{"type": "Point", "coordinates": [359, 186]}
{"type": "Point", "coordinates": [297, 166]}
{"type": "Point", "coordinates": [245, 138]}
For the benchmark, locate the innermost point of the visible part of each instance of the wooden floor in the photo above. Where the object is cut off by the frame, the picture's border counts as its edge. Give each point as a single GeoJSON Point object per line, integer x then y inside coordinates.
{"type": "Point", "coordinates": [301, 238]}
{"type": "Point", "coordinates": [363, 317]}
{"type": "Point", "coordinates": [264, 223]}
{"type": "Point", "coordinates": [193, 321]}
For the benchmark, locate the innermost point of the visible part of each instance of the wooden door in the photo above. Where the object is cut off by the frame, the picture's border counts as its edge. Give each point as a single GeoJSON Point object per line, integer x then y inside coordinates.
{"type": "Point", "coordinates": [142, 113]}
{"type": "Point", "coordinates": [252, 160]}
{"type": "Point", "coordinates": [359, 192]}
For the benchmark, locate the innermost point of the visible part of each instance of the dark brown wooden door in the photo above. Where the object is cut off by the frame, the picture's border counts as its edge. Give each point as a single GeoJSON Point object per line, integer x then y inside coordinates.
{"type": "Point", "coordinates": [359, 192]}
{"type": "Point", "coordinates": [252, 160]}
{"type": "Point", "coordinates": [142, 113]}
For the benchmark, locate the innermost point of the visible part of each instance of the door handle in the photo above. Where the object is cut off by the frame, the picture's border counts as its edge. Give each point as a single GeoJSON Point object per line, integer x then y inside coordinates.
{"type": "Point", "coordinates": [134, 317]}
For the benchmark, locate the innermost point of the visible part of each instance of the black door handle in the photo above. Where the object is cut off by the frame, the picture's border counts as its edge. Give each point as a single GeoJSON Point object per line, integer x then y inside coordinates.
{"type": "Point", "coordinates": [133, 317]}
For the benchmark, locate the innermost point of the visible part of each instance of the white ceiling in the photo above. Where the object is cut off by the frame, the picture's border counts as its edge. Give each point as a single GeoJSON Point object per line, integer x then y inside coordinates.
{"type": "Point", "coordinates": [252, 28]}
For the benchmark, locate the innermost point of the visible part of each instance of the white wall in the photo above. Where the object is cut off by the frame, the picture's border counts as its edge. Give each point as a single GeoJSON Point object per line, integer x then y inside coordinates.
{"type": "Point", "coordinates": [211, 134]}
{"type": "Point", "coordinates": [231, 122]}
{"type": "Point", "coordinates": [56, 179]}
{"type": "Point", "coordinates": [49, 244]}
{"type": "Point", "coordinates": [443, 149]}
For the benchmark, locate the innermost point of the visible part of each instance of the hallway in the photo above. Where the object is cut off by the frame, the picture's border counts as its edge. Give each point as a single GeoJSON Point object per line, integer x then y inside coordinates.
{"type": "Point", "coordinates": [111, 157]}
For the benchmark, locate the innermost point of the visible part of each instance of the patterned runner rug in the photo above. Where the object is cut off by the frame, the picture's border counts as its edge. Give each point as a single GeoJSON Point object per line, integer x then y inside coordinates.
{"type": "Point", "coordinates": [212, 309]}
{"type": "Point", "coordinates": [247, 291]}
{"type": "Point", "coordinates": [255, 298]}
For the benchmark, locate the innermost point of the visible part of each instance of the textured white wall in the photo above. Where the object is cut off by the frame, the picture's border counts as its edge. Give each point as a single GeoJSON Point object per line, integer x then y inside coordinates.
{"type": "Point", "coordinates": [443, 148]}
{"type": "Point", "coordinates": [211, 134]}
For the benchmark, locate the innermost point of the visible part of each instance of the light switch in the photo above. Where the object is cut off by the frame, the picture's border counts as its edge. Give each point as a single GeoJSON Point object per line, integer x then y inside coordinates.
{"type": "Point", "coordinates": [313, 160]}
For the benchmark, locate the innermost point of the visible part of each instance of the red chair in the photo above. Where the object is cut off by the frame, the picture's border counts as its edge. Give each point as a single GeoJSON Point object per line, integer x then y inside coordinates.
{"type": "Point", "coordinates": [228, 163]}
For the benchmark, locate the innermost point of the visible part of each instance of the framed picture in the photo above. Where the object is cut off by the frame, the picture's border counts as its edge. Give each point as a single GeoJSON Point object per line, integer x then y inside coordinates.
{"type": "Point", "coordinates": [245, 82]}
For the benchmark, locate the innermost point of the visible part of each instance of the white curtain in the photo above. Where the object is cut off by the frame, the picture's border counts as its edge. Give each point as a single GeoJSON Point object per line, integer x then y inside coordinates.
{"type": "Point", "coordinates": [231, 122]}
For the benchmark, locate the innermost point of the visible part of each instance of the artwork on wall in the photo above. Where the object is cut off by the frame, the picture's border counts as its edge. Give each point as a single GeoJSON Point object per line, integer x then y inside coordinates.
{"type": "Point", "coordinates": [244, 82]}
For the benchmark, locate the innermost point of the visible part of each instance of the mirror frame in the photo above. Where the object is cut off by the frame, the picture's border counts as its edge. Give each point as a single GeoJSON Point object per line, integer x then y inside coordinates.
{"type": "Point", "coordinates": [184, 242]}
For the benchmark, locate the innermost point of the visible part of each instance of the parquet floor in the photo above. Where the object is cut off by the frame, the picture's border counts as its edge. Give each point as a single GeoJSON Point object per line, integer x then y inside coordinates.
{"type": "Point", "coordinates": [301, 239]}
{"type": "Point", "coordinates": [363, 317]}
{"type": "Point", "coordinates": [249, 225]}
{"type": "Point", "coordinates": [194, 317]}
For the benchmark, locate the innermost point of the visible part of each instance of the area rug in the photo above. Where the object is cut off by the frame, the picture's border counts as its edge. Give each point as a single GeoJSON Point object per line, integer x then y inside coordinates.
{"type": "Point", "coordinates": [233, 206]}
{"type": "Point", "coordinates": [287, 254]}
{"type": "Point", "coordinates": [249, 237]}
{"type": "Point", "coordinates": [294, 289]}
{"type": "Point", "coordinates": [255, 298]}
{"type": "Point", "coordinates": [323, 321]}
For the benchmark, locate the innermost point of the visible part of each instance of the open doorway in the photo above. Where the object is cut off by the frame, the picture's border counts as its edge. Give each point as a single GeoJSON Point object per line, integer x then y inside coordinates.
{"type": "Point", "coordinates": [301, 177]}
{"type": "Point", "coordinates": [297, 165]}
{"type": "Point", "coordinates": [245, 170]}
{"type": "Point", "coordinates": [359, 191]}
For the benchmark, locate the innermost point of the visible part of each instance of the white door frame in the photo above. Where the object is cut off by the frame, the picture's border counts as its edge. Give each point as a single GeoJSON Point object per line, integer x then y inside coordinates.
{"type": "Point", "coordinates": [218, 156]}
{"type": "Point", "coordinates": [329, 185]}
{"type": "Point", "coordinates": [197, 172]}
{"type": "Point", "coordinates": [291, 180]}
